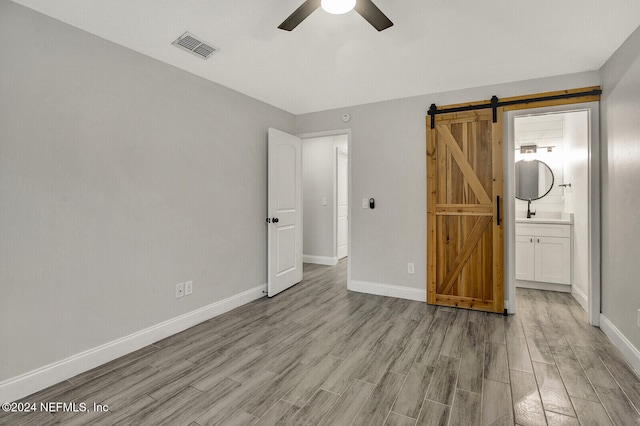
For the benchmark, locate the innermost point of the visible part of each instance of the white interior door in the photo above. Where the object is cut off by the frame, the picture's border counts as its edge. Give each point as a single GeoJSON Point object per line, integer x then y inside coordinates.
{"type": "Point", "coordinates": [342, 203]}
{"type": "Point", "coordinates": [284, 222]}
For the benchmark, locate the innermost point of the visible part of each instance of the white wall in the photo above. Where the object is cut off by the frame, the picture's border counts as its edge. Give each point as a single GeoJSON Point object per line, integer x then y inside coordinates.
{"type": "Point", "coordinates": [620, 109]}
{"type": "Point", "coordinates": [544, 131]}
{"type": "Point", "coordinates": [387, 155]}
{"type": "Point", "coordinates": [576, 197]}
{"type": "Point", "coordinates": [120, 176]}
{"type": "Point", "coordinates": [319, 175]}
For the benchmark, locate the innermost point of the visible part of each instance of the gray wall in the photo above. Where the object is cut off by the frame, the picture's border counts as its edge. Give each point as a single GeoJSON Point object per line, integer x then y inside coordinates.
{"type": "Point", "coordinates": [388, 159]}
{"type": "Point", "coordinates": [120, 176]}
{"type": "Point", "coordinates": [620, 108]}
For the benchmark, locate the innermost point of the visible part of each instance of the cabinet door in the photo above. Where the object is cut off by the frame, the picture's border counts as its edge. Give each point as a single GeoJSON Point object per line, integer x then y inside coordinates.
{"type": "Point", "coordinates": [553, 260]}
{"type": "Point", "coordinates": [525, 258]}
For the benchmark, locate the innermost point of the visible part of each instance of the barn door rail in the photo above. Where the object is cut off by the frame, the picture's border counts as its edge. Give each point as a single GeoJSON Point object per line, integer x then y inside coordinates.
{"type": "Point", "coordinates": [496, 103]}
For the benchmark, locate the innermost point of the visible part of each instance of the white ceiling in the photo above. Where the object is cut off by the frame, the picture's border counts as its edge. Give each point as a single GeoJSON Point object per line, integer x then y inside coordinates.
{"type": "Point", "coordinates": [332, 61]}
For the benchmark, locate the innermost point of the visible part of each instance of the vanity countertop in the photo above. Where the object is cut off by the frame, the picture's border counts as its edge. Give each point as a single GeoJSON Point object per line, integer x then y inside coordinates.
{"type": "Point", "coordinates": [546, 217]}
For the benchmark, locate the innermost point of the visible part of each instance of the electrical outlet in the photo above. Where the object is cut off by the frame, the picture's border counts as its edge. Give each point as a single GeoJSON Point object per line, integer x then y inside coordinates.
{"type": "Point", "coordinates": [179, 290]}
{"type": "Point", "coordinates": [188, 288]}
{"type": "Point", "coordinates": [410, 268]}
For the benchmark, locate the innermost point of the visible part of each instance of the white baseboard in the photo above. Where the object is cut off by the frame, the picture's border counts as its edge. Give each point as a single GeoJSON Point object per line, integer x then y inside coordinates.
{"type": "Point", "coordinates": [535, 285]}
{"type": "Point", "coordinates": [630, 352]}
{"type": "Point", "coordinates": [389, 290]}
{"type": "Point", "coordinates": [320, 260]}
{"type": "Point", "coordinates": [582, 298]}
{"type": "Point", "coordinates": [43, 377]}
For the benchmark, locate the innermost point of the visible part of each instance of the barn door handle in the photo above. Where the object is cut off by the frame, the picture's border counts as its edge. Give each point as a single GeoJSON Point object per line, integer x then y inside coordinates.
{"type": "Point", "coordinates": [498, 208]}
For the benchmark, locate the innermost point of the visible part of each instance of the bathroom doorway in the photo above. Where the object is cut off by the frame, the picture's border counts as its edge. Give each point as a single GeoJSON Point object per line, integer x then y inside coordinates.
{"type": "Point", "coordinates": [552, 187]}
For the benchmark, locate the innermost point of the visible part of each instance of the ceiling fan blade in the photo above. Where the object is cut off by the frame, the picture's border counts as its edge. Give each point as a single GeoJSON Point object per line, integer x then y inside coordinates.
{"type": "Point", "coordinates": [301, 13]}
{"type": "Point", "coordinates": [373, 15]}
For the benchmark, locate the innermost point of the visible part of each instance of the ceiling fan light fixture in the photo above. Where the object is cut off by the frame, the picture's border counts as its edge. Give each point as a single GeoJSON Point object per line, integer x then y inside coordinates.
{"type": "Point", "coordinates": [338, 7]}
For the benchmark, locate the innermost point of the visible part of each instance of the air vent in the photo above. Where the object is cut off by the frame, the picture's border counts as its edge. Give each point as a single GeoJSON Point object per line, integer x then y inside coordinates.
{"type": "Point", "coordinates": [193, 44]}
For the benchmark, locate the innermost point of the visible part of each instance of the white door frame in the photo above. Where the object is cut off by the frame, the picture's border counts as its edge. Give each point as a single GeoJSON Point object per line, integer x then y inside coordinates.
{"type": "Point", "coordinates": [336, 133]}
{"type": "Point", "coordinates": [593, 311]}
{"type": "Point", "coordinates": [345, 153]}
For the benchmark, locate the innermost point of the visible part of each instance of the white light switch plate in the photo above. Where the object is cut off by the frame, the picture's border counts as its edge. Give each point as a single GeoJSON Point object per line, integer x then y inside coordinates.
{"type": "Point", "coordinates": [365, 203]}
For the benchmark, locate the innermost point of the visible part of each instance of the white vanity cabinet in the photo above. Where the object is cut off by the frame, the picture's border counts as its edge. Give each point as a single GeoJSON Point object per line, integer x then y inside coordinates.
{"type": "Point", "coordinates": [543, 253]}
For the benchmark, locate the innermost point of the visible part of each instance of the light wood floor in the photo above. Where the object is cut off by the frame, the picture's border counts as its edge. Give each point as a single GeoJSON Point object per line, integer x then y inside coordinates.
{"type": "Point", "coordinates": [318, 354]}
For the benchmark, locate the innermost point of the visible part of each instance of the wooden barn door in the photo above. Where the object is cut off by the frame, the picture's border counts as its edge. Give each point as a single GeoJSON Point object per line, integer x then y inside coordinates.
{"type": "Point", "coordinates": [464, 211]}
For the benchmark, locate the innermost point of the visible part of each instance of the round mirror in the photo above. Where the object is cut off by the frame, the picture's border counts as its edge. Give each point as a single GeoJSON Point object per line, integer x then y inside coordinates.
{"type": "Point", "coordinates": [534, 179]}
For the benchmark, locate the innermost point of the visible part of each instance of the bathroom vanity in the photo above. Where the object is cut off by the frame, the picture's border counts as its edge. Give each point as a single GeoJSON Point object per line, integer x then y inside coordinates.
{"type": "Point", "coordinates": [544, 249]}
{"type": "Point", "coordinates": [544, 239]}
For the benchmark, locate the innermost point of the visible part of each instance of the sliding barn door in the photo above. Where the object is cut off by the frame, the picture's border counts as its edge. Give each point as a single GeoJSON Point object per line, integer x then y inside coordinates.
{"type": "Point", "coordinates": [464, 210]}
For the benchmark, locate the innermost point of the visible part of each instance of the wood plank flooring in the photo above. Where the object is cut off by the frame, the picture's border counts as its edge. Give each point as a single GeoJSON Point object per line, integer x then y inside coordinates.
{"type": "Point", "coordinates": [320, 355]}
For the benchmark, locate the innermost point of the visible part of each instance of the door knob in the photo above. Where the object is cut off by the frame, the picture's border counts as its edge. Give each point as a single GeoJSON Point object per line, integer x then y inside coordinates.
{"type": "Point", "coordinates": [275, 220]}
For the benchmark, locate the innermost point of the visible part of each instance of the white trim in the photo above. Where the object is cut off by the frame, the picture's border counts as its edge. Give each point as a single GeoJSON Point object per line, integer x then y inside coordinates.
{"type": "Point", "coordinates": [537, 285]}
{"type": "Point", "coordinates": [580, 297]}
{"type": "Point", "coordinates": [340, 151]}
{"type": "Point", "coordinates": [509, 206]}
{"type": "Point", "coordinates": [630, 352]}
{"type": "Point", "coordinates": [320, 260]}
{"type": "Point", "coordinates": [43, 377]}
{"type": "Point", "coordinates": [389, 290]}
{"type": "Point", "coordinates": [336, 132]}
{"type": "Point", "coordinates": [594, 290]}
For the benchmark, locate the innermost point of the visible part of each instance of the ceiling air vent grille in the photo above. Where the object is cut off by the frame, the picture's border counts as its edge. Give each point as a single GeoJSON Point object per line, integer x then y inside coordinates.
{"type": "Point", "coordinates": [193, 44]}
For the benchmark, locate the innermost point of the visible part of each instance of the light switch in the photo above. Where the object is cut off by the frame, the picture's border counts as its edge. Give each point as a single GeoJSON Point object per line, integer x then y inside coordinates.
{"type": "Point", "coordinates": [324, 201]}
{"type": "Point", "coordinates": [365, 203]}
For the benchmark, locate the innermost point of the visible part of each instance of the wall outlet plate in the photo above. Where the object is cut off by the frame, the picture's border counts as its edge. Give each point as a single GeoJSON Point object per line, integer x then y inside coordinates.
{"type": "Point", "coordinates": [188, 288]}
{"type": "Point", "coordinates": [179, 290]}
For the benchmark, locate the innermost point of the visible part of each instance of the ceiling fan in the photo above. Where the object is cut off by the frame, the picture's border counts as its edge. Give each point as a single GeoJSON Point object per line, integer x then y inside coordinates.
{"type": "Point", "coordinates": [365, 8]}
